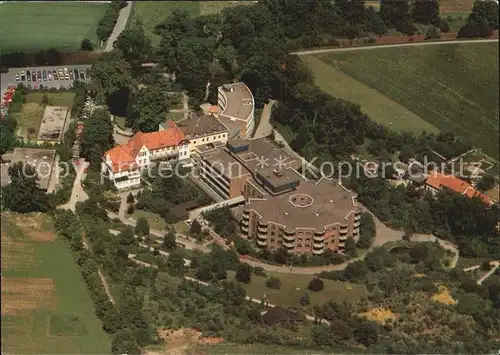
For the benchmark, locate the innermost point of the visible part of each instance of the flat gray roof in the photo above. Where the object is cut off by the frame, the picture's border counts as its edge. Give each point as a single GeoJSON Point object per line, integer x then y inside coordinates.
{"type": "Point", "coordinates": [239, 100]}
{"type": "Point", "coordinates": [41, 159]}
{"type": "Point", "coordinates": [234, 126]}
{"type": "Point", "coordinates": [263, 154]}
{"type": "Point", "coordinates": [313, 205]}
{"type": "Point", "coordinates": [199, 126]}
{"type": "Point", "coordinates": [225, 163]}
{"type": "Point", "coordinates": [53, 123]}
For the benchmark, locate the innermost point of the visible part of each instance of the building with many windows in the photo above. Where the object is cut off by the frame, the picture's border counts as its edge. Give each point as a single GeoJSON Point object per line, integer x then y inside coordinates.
{"type": "Point", "coordinates": [123, 164]}
{"type": "Point", "coordinates": [204, 129]}
{"type": "Point", "coordinates": [283, 209]}
{"type": "Point", "coordinates": [236, 105]}
{"type": "Point", "coordinates": [313, 217]}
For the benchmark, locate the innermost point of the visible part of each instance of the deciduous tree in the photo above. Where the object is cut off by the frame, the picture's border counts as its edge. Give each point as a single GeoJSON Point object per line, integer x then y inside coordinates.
{"type": "Point", "coordinates": [23, 193]}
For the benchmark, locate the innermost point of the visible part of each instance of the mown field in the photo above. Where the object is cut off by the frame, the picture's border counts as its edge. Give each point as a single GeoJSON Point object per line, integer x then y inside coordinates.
{"type": "Point", "coordinates": [447, 6]}
{"type": "Point", "coordinates": [151, 13]}
{"type": "Point", "coordinates": [31, 27]}
{"type": "Point", "coordinates": [452, 87]}
{"type": "Point", "coordinates": [46, 308]}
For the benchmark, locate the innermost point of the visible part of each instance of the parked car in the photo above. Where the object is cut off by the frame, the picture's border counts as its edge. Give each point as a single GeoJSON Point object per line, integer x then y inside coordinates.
{"type": "Point", "coordinates": [54, 73]}
{"type": "Point", "coordinates": [28, 75]}
{"type": "Point", "coordinates": [50, 76]}
{"type": "Point", "coordinates": [76, 73]}
{"type": "Point", "coordinates": [71, 76]}
{"type": "Point", "coordinates": [18, 77]}
{"type": "Point", "coordinates": [39, 75]}
{"type": "Point", "coordinates": [82, 74]}
{"type": "Point", "coordinates": [44, 75]}
{"type": "Point", "coordinates": [33, 76]}
{"type": "Point", "coordinates": [61, 74]}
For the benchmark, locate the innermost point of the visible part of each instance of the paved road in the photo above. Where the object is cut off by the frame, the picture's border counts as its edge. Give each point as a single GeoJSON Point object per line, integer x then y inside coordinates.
{"type": "Point", "coordinates": [119, 27]}
{"type": "Point", "coordinates": [9, 78]}
{"type": "Point", "coordinates": [496, 264]}
{"type": "Point", "coordinates": [361, 48]}
{"type": "Point", "coordinates": [265, 128]}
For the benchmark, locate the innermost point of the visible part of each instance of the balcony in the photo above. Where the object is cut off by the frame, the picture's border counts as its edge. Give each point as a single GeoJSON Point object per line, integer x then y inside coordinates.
{"type": "Point", "coordinates": [318, 251]}
{"type": "Point", "coordinates": [244, 222]}
{"type": "Point", "coordinates": [289, 233]}
{"type": "Point", "coordinates": [289, 237]}
{"type": "Point", "coordinates": [318, 245]}
{"type": "Point", "coordinates": [356, 224]}
{"type": "Point", "coordinates": [357, 217]}
{"type": "Point", "coordinates": [355, 231]}
{"type": "Point", "coordinates": [246, 214]}
{"type": "Point", "coordinates": [262, 236]}
{"type": "Point", "coordinates": [319, 238]}
{"type": "Point", "coordinates": [262, 229]}
{"type": "Point", "coordinates": [343, 237]}
{"type": "Point", "coordinates": [262, 243]}
{"type": "Point", "coordinates": [343, 227]}
{"type": "Point", "coordinates": [288, 244]}
{"type": "Point", "coordinates": [244, 229]}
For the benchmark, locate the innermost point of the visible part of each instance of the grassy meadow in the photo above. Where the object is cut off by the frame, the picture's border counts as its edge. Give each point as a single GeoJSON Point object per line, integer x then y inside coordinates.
{"type": "Point", "coordinates": [46, 308]}
{"type": "Point", "coordinates": [31, 27]}
{"type": "Point", "coordinates": [452, 87]}
{"type": "Point", "coordinates": [293, 287]}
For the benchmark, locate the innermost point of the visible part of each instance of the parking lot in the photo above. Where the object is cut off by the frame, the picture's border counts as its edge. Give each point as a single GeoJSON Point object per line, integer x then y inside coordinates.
{"type": "Point", "coordinates": [65, 76]}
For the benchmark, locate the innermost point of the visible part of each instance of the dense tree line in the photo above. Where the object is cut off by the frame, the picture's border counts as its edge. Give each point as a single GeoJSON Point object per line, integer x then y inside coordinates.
{"type": "Point", "coordinates": [19, 59]}
{"type": "Point", "coordinates": [97, 137]}
{"type": "Point", "coordinates": [107, 23]}
{"type": "Point", "coordinates": [130, 91]}
{"type": "Point", "coordinates": [482, 20]}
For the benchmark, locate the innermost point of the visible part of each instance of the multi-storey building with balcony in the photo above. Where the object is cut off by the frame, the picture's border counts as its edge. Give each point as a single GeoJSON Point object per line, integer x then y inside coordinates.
{"type": "Point", "coordinates": [123, 164]}
{"type": "Point", "coordinates": [282, 209]}
{"type": "Point", "coordinates": [312, 218]}
{"type": "Point", "coordinates": [236, 105]}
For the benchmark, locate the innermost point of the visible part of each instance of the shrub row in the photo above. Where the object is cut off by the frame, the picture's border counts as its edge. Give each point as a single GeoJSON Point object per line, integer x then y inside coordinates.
{"type": "Point", "coordinates": [68, 225]}
{"type": "Point", "coordinates": [108, 21]}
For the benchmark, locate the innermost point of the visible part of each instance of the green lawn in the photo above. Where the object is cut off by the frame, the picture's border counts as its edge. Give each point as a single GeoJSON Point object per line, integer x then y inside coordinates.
{"type": "Point", "coordinates": [451, 87]}
{"type": "Point", "coordinates": [175, 116]}
{"type": "Point", "coordinates": [31, 27]}
{"type": "Point", "coordinates": [31, 115]}
{"type": "Point", "coordinates": [46, 320]}
{"type": "Point", "coordinates": [293, 286]}
{"type": "Point", "coordinates": [120, 122]}
{"type": "Point", "coordinates": [155, 220]}
{"type": "Point", "coordinates": [456, 19]}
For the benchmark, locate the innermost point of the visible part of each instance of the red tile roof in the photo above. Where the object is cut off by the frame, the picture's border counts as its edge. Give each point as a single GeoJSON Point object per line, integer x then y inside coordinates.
{"type": "Point", "coordinates": [437, 181]}
{"type": "Point", "coordinates": [124, 155]}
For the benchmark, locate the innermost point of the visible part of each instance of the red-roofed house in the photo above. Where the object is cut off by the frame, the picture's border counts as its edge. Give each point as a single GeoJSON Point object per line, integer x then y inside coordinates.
{"type": "Point", "coordinates": [436, 181]}
{"type": "Point", "coordinates": [124, 163]}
